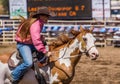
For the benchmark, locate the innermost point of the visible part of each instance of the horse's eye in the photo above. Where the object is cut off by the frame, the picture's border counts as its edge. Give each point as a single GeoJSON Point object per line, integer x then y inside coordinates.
{"type": "Point", "coordinates": [85, 39]}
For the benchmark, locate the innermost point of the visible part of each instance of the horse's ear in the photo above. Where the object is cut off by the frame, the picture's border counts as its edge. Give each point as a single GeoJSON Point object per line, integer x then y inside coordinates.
{"type": "Point", "coordinates": [92, 28]}
{"type": "Point", "coordinates": [74, 32]}
{"type": "Point", "coordinates": [81, 29]}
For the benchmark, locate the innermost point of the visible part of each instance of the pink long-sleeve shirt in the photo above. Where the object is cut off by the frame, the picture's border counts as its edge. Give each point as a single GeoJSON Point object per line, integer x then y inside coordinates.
{"type": "Point", "coordinates": [35, 37]}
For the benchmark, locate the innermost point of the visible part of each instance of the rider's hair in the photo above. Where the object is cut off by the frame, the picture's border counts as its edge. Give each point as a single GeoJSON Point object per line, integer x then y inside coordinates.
{"type": "Point", "coordinates": [25, 26]}
{"type": "Point", "coordinates": [26, 23]}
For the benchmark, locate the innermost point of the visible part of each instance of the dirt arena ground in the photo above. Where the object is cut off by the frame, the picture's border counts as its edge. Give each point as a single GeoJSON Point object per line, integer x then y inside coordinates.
{"type": "Point", "coordinates": [104, 70]}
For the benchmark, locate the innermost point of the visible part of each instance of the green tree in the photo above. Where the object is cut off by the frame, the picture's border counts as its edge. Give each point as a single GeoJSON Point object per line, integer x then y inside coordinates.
{"type": "Point", "coordinates": [5, 6]}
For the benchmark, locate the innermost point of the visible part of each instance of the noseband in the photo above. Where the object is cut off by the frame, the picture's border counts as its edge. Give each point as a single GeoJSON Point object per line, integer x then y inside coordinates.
{"type": "Point", "coordinates": [87, 51]}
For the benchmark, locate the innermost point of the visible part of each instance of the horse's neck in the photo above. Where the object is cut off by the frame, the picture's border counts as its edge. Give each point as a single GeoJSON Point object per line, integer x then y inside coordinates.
{"type": "Point", "coordinates": [69, 54]}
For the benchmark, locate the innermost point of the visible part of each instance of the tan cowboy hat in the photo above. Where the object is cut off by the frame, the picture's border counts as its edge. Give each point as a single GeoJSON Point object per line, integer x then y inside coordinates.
{"type": "Point", "coordinates": [43, 11]}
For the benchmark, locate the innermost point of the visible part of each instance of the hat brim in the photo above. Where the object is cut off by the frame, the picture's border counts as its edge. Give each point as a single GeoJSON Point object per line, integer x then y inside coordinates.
{"type": "Point", "coordinates": [51, 14]}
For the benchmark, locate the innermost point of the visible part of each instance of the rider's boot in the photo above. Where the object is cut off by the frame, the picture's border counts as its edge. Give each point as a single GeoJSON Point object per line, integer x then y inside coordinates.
{"type": "Point", "coordinates": [13, 81]}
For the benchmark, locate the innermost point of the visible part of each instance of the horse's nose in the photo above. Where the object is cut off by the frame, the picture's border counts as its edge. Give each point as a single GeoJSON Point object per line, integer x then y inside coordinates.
{"type": "Point", "coordinates": [94, 56]}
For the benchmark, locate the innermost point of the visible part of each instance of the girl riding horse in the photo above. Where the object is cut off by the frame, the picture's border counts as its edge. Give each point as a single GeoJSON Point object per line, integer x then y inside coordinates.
{"type": "Point", "coordinates": [29, 39]}
{"type": "Point", "coordinates": [62, 63]}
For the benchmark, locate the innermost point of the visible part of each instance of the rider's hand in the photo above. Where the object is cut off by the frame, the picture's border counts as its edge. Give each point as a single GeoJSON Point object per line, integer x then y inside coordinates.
{"type": "Point", "coordinates": [48, 54]}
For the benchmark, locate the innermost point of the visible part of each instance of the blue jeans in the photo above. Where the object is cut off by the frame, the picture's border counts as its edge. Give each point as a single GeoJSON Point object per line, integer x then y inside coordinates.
{"type": "Point", "coordinates": [26, 53]}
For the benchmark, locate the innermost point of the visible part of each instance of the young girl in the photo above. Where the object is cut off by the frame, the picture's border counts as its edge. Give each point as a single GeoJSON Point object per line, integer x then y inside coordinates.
{"type": "Point", "coordinates": [29, 39]}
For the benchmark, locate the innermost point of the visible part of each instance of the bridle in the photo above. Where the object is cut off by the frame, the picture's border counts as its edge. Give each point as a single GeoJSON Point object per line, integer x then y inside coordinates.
{"type": "Point", "coordinates": [73, 56]}
{"type": "Point", "coordinates": [87, 51]}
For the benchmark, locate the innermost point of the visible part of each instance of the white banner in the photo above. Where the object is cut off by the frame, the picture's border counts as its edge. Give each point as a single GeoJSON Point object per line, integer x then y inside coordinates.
{"type": "Point", "coordinates": [97, 8]}
{"type": "Point", "coordinates": [17, 7]}
{"type": "Point", "coordinates": [107, 8]}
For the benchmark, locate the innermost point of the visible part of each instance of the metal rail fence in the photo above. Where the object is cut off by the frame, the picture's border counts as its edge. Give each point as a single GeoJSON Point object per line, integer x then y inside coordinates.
{"type": "Point", "coordinates": [52, 28]}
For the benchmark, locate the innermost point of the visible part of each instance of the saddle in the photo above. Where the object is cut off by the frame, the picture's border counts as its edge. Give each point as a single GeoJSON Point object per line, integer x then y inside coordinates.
{"type": "Point", "coordinates": [38, 61]}
{"type": "Point", "coordinates": [16, 57]}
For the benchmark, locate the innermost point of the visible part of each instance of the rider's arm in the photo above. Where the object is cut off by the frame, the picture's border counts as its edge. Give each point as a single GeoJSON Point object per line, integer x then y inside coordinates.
{"type": "Point", "coordinates": [35, 30]}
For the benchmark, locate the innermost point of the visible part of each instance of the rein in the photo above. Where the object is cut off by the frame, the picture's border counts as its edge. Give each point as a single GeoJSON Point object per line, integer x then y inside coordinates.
{"type": "Point", "coordinates": [86, 52]}
{"type": "Point", "coordinates": [64, 51]}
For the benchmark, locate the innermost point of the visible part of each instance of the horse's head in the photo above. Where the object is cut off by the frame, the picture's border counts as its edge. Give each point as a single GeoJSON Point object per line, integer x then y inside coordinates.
{"type": "Point", "coordinates": [87, 43]}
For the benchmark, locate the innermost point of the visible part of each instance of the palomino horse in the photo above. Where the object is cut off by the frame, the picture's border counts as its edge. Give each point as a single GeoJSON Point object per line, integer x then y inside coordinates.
{"type": "Point", "coordinates": [67, 53]}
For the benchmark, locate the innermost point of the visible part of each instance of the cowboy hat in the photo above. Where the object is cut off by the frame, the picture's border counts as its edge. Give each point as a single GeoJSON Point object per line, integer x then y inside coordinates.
{"type": "Point", "coordinates": [43, 11]}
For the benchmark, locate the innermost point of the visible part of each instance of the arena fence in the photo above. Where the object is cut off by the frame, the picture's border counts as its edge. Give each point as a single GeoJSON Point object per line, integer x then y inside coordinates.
{"type": "Point", "coordinates": [53, 28]}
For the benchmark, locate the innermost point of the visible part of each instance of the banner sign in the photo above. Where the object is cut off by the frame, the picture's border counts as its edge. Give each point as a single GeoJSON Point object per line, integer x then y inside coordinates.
{"type": "Point", "coordinates": [17, 7]}
{"type": "Point", "coordinates": [100, 9]}
{"type": "Point", "coordinates": [64, 9]}
{"type": "Point", "coordinates": [107, 8]}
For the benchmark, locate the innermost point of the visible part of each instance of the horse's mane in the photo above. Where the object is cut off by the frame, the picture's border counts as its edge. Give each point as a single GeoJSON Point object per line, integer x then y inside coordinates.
{"type": "Point", "coordinates": [74, 32]}
{"type": "Point", "coordinates": [63, 39]}
{"type": "Point", "coordinates": [60, 40]}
